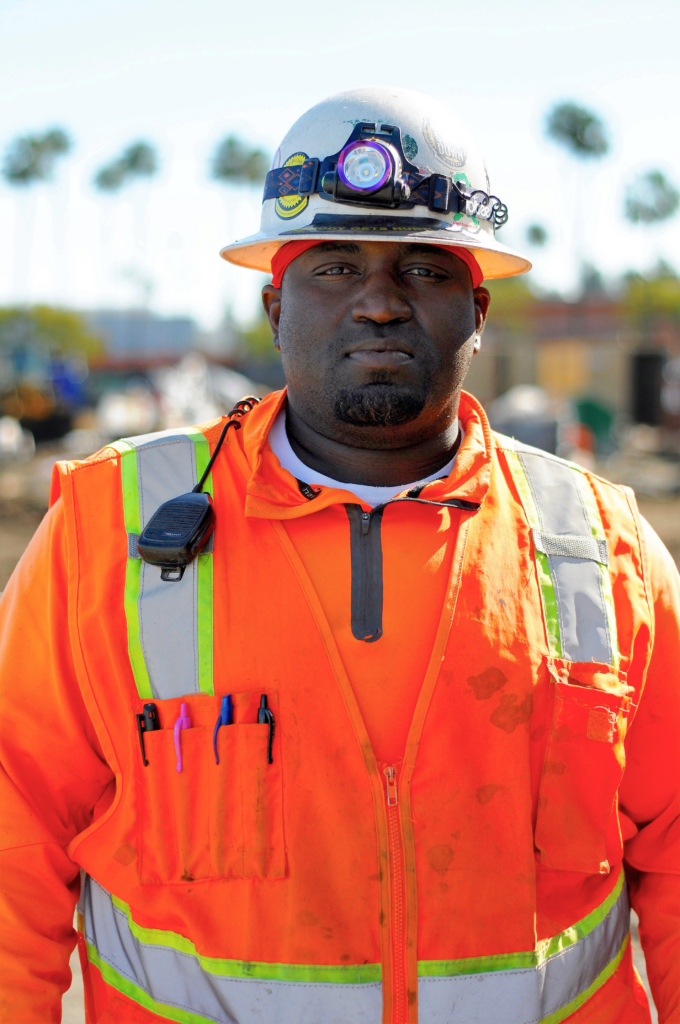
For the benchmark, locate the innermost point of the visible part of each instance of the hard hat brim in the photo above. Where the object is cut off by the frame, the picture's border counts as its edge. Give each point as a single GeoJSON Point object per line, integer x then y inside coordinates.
{"type": "Point", "coordinates": [495, 259]}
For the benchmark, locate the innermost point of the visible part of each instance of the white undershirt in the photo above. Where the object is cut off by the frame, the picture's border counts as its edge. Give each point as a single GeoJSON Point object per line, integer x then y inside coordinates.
{"type": "Point", "coordinates": [281, 446]}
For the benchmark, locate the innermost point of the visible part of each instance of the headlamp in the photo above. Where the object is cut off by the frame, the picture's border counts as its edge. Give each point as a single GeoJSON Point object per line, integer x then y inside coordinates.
{"type": "Point", "coordinates": [371, 169]}
{"type": "Point", "coordinates": [368, 169]}
{"type": "Point", "coordinates": [364, 166]}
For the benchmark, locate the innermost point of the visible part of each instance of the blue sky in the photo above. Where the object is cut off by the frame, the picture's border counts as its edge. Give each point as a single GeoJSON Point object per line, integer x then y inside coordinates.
{"type": "Point", "coordinates": [184, 74]}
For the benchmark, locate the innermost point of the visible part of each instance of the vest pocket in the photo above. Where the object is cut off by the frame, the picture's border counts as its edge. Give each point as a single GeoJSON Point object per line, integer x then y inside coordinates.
{"type": "Point", "coordinates": [584, 762]}
{"type": "Point", "coordinates": [211, 820]}
{"type": "Point", "coordinates": [246, 825]}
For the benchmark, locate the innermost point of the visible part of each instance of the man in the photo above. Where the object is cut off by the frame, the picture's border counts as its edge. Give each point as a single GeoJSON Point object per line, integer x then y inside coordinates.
{"type": "Point", "coordinates": [359, 756]}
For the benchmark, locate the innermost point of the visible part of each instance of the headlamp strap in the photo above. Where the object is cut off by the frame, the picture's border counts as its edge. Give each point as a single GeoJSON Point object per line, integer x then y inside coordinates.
{"type": "Point", "coordinates": [435, 191]}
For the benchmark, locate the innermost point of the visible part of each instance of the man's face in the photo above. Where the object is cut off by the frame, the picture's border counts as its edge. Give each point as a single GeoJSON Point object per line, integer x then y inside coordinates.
{"type": "Point", "coordinates": [376, 339]}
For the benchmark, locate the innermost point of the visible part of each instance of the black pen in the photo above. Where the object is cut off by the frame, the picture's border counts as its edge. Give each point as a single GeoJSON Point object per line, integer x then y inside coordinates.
{"type": "Point", "coordinates": [265, 717]}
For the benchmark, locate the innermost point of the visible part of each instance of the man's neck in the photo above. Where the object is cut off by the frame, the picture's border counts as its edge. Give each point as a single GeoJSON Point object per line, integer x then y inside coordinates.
{"type": "Point", "coordinates": [374, 467]}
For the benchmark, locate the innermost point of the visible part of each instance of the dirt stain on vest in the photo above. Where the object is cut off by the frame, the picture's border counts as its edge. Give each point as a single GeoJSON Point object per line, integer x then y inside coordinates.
{"type": "Point", "coordinates": [439, 857]}
{"type": "Point", "coordinates": [486, 793]}
{"type": "Point", "coordinates": [509, 714]}
{"type": "Point", "coordinates": [487, 682]}
{"type": "Point", "coordinates": [308, 919]}
{"type": "Point", "coordinates": [125, 854]}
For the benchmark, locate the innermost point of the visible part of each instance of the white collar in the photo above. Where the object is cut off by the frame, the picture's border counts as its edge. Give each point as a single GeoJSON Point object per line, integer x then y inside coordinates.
{"type": "Point", "coordinates": [369, 495]}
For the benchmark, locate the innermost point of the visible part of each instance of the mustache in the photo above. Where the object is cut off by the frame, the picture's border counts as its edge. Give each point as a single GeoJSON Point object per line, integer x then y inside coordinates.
{"type": "Point", "coordinates": [409, 335]}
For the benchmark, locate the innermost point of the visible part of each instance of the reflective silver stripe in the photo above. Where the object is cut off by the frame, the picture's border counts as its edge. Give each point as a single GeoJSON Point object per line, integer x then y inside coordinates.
{"type": "Point", "coordinates": [166, 979]}
{"type": "Point", "coordinates": [543, 994]}
{"type": "Point", "coordinates": [577, 579]}
{"type": "Point", "coordinates": [168, 612]}
{"type": "Point", "coordinates": [571, 547]}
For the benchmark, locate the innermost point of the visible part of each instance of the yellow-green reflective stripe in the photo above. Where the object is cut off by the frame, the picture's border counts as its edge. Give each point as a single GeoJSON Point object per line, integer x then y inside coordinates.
{"type": "Point", "coordinates": [603, 976]}
{"type": "Point", "coordinates": [595, 520]}
{"type": "Point", "coordinates": [130, 486]}
{"type": "Point", "coordinates": [204, 609]}
{"type": "Point", "coordinates": [545, 582]}
{"type": "Point", "coordinates": [532, 958]}
{"type": "Point", "coordinates": [319, 973]}
{"type": "Point", "coordinates": [205, 624]}
{"type": "Point", "coordinates": [134, 992]}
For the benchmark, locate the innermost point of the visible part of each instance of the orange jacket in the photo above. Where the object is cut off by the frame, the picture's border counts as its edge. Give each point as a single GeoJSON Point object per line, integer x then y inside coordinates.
{"type": "Point", "coordinates": [477, 877]}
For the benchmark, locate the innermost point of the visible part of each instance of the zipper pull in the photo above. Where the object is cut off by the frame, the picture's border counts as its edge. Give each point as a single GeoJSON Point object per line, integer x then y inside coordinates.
{"type": "Point", "coordinates": [365, 523]}
{"type": "Point", "coordinates": [391, 776]}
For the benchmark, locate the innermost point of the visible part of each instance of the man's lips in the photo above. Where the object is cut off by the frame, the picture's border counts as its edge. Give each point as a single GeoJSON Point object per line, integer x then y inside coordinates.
{"type": "Point", "coordinates": [381, 352]}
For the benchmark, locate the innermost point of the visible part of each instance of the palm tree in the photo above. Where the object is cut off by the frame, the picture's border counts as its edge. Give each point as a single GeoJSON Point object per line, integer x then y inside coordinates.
{"type": "Point", "coordinates": [536, 235]}
{"type": "Point", "coordinates": [580, 131]}
{"type": "Point", "coordinates": [30, 159]}
{"type": "Point", "coordinates": [139, 160]}
{"type": "Point", "coordinates": [582, 134]}
{"type": "Point", "coordinates": [235, 163]}
{"type": "Point", "coordinates": [651, 199]}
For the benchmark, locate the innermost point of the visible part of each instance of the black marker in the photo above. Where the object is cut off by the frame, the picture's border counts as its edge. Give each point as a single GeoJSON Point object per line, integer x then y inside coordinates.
{"type": "Point", "coordinates": [265, 717]}
{"type": "Point", "coordinates": [147, 722]}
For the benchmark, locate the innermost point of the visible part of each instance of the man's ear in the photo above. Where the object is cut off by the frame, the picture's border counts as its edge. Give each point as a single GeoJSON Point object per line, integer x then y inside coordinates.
{"type": "Point", "coordinates": [482, 301]}
{"type": "Point", "coordinates": [271, 300]}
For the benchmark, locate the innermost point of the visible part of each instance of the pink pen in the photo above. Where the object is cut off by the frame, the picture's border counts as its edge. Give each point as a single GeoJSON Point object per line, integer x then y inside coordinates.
{"type": "Point", "coordinates": [183, 722]}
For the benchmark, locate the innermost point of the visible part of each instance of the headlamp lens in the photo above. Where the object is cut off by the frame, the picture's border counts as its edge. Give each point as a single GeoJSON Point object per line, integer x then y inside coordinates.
{"type": "Point", "coordinates": [364, 166]}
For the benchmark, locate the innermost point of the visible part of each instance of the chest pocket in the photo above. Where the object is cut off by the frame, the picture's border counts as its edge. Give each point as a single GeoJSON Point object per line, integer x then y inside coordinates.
{"type": "Point", "coordinates": [584, 762]}
{"type": "Point", "coordinates": [212, 819]}
{"type": "Point", "coordinates": [577, 814]}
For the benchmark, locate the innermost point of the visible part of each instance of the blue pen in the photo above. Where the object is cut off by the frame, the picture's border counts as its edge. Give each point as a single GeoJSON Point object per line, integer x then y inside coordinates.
{"type": "Point", "coordinates": [225, 718]}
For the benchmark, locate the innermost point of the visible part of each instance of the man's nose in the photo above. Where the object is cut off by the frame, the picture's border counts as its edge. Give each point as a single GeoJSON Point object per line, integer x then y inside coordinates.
{"type": "Point", "coordinates": [381, 300]}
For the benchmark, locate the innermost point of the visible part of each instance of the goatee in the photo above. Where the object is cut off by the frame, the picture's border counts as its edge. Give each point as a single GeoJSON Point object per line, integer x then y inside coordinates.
{"type": "Point", "coordinates": [377, 405]}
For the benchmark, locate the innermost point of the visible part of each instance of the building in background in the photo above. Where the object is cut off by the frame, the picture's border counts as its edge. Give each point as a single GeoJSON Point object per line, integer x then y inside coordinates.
{"type": "Point", "coordinates": [612, 360]}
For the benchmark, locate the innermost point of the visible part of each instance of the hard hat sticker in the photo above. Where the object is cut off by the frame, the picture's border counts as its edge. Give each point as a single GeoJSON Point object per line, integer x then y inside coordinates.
{"type": "Point", "coordinates": [292, 205]}
{"type": "Point", "coordinates": [410, 147]}
{"type": "Point", "coordinates": [452, 156]}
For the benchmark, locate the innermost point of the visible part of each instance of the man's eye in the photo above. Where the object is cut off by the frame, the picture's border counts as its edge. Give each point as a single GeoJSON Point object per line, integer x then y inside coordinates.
{"type": "Point", "coordinates": [335, 271]}
{"type": "Point", "coordinates": [423, 272]}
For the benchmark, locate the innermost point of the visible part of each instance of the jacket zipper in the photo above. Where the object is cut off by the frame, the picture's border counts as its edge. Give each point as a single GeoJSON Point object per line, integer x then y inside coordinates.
{"type": "Point", "coordinates": [398, 892]}
{"type": "Point", "coordinates": [367, 572]}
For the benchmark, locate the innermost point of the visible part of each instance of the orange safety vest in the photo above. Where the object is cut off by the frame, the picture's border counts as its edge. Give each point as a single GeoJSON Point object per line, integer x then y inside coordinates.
{"type": "Point", "coordinates": [478, 880]}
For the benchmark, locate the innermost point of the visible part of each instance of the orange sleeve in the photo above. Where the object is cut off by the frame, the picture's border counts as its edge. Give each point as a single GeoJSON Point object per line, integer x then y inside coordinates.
{"type": "Point", "coordinates": [53, 780]}
{"type": "Point", "coordinates": [650, 792]}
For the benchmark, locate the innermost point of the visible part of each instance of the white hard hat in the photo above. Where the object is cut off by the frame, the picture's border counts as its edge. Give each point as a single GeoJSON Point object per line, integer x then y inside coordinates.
{"type": "Point", "coordinates": [381, 164]}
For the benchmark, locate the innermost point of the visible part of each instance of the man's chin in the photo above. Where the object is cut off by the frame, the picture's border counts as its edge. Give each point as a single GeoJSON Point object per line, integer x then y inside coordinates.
{"type": "Point", "coordinates": [377, 405]}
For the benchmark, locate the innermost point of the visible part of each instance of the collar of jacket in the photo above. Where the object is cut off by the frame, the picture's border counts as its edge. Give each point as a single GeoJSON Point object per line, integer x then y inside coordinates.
{"type": "Point", "coordinates": [273, 493]}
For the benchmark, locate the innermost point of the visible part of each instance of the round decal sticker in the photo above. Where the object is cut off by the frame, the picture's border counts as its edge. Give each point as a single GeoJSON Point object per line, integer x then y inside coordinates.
{"type": "Point", "coordinates": [292, 205]}
{"type": "Point", "coordinates": [452, 156]}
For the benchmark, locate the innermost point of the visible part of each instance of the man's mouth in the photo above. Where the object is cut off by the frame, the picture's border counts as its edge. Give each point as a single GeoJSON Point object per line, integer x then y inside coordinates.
{"type": "Point", "coordinates": [381, 352]}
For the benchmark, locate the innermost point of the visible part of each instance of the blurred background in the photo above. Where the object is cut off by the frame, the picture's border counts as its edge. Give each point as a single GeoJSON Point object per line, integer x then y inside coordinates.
{"type": "Point", "coordinates": [134, 139]}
